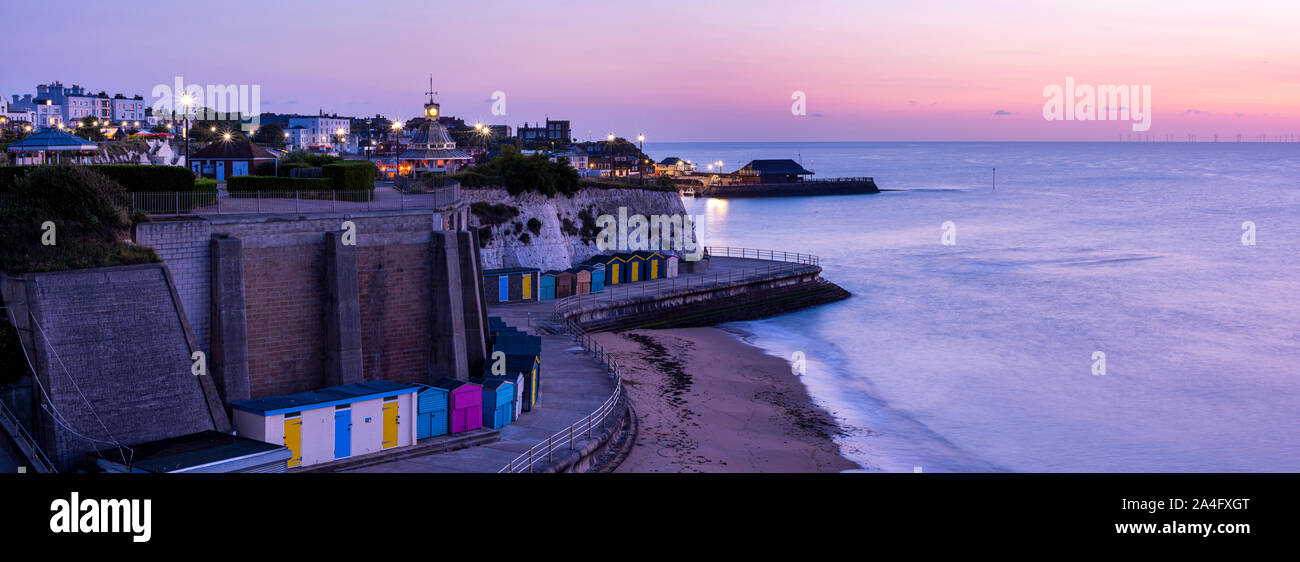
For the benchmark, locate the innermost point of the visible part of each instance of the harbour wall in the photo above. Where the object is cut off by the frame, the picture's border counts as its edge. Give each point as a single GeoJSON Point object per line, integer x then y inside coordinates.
{"type": "Point", "coordinates": [795, 189]}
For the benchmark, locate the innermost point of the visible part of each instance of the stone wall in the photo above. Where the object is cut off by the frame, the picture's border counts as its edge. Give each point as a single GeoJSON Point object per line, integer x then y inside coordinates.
{"type": "Point", "coordinates": [111, 351]}
{"type": "Point", "coordinates": [301, 334]}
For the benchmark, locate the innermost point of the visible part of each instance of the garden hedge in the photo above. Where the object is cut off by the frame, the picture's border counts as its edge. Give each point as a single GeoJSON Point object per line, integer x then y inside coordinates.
{"type": "Point", "coordinates": [351, 175]}
{"type": "Point", "coordinates": [132, 177]}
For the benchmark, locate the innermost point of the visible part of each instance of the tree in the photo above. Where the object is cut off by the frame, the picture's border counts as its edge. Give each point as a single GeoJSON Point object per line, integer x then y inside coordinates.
{"type": "Point", "coordinates": [89, 128]}
{"type": "Point", "coordinates": [270, 133]}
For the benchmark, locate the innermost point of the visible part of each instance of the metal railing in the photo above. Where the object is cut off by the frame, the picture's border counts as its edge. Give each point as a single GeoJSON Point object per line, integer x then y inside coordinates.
{"type": "Point", "coordinates": [180, 203]}
{"type": "Point", "coordinates": [566, 310]}
{"type": "Point", "coordinates": [545, 450]}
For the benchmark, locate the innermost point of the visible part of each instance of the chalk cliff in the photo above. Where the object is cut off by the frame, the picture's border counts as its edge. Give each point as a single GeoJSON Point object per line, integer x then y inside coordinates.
{"type": "Point", "coordinates": [567, 228]}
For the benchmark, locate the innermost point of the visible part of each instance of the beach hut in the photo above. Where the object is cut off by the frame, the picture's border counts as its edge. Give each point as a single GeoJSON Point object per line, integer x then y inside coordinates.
{"type": "Point", "coordinates": [431, 412]}
{"type": "Point", "coordinates": [529, 366]}
{"type": "Point", "coordinates": [636, 269]}
{"type": "Point", "coordinates": [598, 278]}
{"type": "Point", "coordinates": [670, 266]}
{"type": "Point", "coordinates": [654, 265]}
{"type": "Point", "coordinates": [582, 280]}
{"type": "Point", "coordinates": [332, 423]}
{"type": "Point", "coordinates": [564, 284]}
{"type": "Point", "coordinates": [615, 268]}
{"type": "Point", "coordinates": [498, 403]}
{"type": "Point", "coordinates": [546, 286]}
{"type": "Point", "coordinates": [517, 380]}
{"type": "Point", "coordinates": [464, 404]}
{"type": "Point", "coordinates": [510, 284]}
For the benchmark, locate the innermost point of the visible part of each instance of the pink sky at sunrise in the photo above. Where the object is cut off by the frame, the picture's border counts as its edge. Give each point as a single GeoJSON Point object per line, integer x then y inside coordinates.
{"type": "Point", "coordinates": [697, 70]}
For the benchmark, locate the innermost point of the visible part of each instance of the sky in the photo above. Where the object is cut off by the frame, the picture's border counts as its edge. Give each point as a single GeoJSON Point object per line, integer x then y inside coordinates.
{"type": "Point", "coordinates": [696, 70]}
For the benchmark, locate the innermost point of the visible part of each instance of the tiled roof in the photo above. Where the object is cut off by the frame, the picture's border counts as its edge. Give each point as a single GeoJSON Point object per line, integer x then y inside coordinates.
{"type": "Point", "coordinates": [233, 150]}
{"type": "Point", "coordinates": [52, 139]}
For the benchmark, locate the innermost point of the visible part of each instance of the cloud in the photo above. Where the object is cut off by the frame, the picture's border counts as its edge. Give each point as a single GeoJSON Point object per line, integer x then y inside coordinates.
{"type": "Point", "coordinates": [1003, 112]}
{"type": "Point", "coordinates": [817, 115]}
{"type": "Point", "coordinates": [1196, 112]}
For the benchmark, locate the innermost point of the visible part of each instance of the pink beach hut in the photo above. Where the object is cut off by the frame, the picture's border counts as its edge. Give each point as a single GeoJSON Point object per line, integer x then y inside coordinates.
{"type": "Point", "coordinates": [465, 404]}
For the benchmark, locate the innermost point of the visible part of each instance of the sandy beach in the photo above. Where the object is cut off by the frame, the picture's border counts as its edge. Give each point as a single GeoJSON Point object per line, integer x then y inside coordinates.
{"type": "Point", "coordinates": [707, 402]}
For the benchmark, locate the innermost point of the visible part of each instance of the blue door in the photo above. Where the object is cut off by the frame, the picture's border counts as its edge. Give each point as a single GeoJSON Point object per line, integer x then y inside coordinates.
{"type": "Point", "coordinates": [342, 433]}
{"type": "Point", "coordinates": [505, 288]}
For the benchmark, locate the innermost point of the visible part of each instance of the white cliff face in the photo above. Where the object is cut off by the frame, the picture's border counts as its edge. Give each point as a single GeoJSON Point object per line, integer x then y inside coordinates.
{"type": "Point", "coordinates": [556, 246]}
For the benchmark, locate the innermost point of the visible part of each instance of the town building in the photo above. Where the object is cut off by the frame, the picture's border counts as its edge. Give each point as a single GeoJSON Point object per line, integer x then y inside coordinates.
{"type": "Point", "coordinates": [553, 132]}
{"type": "Point", "coordinates": [127, 110]}
{"type": "Point", "coordinates": [431, 148]}
{"type": "Point", "coordinates": [782, 170]}
{"type": "Point", "coordinates": [327, 131]}
{"type": "Point", "coordinates": [226, 159]}
{"type": "Point", "coordinates": [674, 166]}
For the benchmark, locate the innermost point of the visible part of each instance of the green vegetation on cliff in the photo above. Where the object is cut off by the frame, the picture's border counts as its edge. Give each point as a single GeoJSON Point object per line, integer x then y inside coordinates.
{"type": "Point", "coordinates": [67, 217]}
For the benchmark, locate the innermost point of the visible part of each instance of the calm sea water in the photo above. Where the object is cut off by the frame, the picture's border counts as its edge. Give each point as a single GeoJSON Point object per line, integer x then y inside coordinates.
{"type": "Point", "coordinates": [980, 356]}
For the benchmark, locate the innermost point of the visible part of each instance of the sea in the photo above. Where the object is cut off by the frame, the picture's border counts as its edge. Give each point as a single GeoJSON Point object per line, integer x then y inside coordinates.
{"type": "Point", "coordinates": [1040, 307]}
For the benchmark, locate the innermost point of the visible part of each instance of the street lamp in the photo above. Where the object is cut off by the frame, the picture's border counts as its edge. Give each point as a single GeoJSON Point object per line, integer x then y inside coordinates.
{"type": "Point", "coordinates": [640, 160]}
{"type": "Point", "coordinates": [187, 101]}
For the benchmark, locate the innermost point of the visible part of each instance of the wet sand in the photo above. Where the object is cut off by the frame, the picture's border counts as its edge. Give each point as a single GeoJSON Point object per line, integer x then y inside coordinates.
{"type": "Point", "coordinates": [708, 402]}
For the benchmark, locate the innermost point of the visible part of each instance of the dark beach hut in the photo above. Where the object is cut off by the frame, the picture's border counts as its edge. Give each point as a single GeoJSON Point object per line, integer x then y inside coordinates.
{"type": "Point", "coordinates": [547, 286]}
{"type": "Point", "coordinates": [615, 269]}
{"type": "Point", "coordinates": [654, 265]}
{"type": "Point", "coordinates": [564, 284]}
{"type": "Point", "coordinates": [510, 284]}
{"type": "Point", "coordinates": [498, 403]}
{"type": "Point", "coordinates": [582, 280]}
{"type": "Point", "coordinates": [529, 366]}
{"type": "Point", "coordinates": [464, 404]}
{"type": "Point", "coordinates": [636, 268]}
{"type": "Point", "coordinates": [431, 412]}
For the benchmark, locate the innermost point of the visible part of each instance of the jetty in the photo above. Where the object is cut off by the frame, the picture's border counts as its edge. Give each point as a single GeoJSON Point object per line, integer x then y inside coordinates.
{"type": "Point", "coordinates": [767, 178]}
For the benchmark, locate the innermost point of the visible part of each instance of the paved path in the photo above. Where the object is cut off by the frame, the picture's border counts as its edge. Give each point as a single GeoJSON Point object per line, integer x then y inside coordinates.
{"type": "Point", "coordinates": [573, 385]}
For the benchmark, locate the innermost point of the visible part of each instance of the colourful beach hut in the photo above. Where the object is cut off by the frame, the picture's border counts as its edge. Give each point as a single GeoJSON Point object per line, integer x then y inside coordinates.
{"type": "Point", "coordinates": [517, 380]}
{"type": "Point", "coordinates": [547, 286]}
{"type": "Point", "coordinates": [529, 366]}
{"type": "Point", "coordinates": [564, 284]}
{"type": "Point", "coordinates": [615, 268]}
{"type": "Point", "coordinates": [431, 412]}
{"type": "Point", "coordinates": [670, 266]}
{"type": "Point", "coordinates": [464, 404]}
{"type": "Point", "coordinates": [510, 284]}
{"type": "Point", "coordinates": [654, 265]}
{"type": "Point", "coordinates": [636, 268]}
{"type": "Point", "coordinates": [582, 280]}
{"type": "Point", "coordinates": [332, 423]}
{"type": "Point", "coordinates": [498, 403]}
{"type": "Point", "coordinates": [598, 278]}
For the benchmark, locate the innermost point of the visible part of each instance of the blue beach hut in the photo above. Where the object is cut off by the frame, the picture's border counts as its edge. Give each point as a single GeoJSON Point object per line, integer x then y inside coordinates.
{"type": "Point", "coordinates": [598, 278]}
{"type": "Point", "coordinates": [431, 412]}
{"type": "Point", "coordinates": [498, 403]}
{"type": "Point", "coordinates": [547, 286]}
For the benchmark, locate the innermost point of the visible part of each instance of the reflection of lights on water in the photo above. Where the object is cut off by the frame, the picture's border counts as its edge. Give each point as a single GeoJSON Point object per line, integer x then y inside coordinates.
{"type": "Point", "coordinates": [716, 206]}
